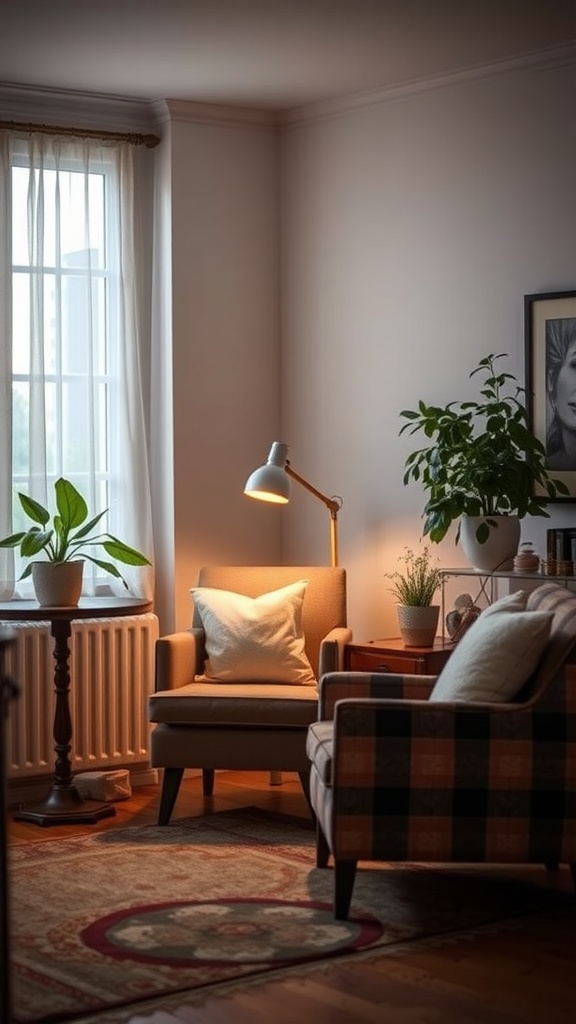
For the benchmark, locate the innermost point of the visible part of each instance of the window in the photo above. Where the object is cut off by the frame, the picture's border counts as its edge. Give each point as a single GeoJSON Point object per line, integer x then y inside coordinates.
{"type": "Point", "coordinates": [76, 405]}
{"type": "Point", "coordinates": [70, 288]}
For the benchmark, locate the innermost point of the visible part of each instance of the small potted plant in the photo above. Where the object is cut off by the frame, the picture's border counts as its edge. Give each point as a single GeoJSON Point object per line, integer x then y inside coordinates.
{"type": "Point", "coordinates": [414, 589]}
{"type": "Point", "coordinates": [58, 577]}
{"type": "Point", "coordinates": [480, 468]}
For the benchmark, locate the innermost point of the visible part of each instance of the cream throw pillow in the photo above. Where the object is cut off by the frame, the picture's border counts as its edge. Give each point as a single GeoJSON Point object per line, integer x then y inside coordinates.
{"type": "Point", "coordinates": [254, 639]}
{"type": "Point", "coordinates": [497, 655]}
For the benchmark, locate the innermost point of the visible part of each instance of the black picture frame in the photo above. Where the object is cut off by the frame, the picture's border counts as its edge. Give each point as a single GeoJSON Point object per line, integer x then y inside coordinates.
{"type": "Point", "coordinates": [548, 334]}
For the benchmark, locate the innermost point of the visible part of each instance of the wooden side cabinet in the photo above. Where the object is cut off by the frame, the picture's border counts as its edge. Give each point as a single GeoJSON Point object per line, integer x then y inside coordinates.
{"type": "Point", "coordinates": [392, 655]}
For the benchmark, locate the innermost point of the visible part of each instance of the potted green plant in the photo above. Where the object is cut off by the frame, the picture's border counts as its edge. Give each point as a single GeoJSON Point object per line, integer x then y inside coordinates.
{"type": "Point", "coordinates": [62, 542]}
{"type": "Point", "coordinates": [414, 589]}
{"type": "Point", "coordinates": [480, 468]}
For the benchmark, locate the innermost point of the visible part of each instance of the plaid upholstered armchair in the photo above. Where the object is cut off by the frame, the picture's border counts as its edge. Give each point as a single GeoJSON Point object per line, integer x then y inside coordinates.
{"type": "Point", "coordinates": [399, 774]}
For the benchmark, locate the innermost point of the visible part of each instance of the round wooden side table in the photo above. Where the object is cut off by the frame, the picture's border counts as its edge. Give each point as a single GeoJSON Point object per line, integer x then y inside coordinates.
{"type": "Point", "coordinates": [63, 804]}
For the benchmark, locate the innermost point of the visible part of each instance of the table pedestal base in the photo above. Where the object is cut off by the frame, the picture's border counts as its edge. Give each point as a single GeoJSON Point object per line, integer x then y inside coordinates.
{"type": "Point", "coordinates": [64, 806]}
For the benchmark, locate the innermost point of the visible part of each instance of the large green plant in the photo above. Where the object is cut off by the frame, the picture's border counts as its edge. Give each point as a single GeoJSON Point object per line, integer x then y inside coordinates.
{"type": "Point", "coordinates": [483, 459]}
{"type": "Point", "coordinates": [69, 536]}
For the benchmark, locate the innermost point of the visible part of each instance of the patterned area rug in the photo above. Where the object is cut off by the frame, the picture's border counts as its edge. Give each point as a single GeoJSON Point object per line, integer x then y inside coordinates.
{"type": "Point", "coordinates": [118, 918]}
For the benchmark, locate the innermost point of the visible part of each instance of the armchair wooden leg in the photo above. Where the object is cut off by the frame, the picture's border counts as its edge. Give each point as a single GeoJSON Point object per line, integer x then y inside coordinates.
{"type": "Point", "coordinates": [322, 848]}
{"type": "Point", "coordinates": [305, 783]}
{"type": "Point", "coordinates": [170, 787]}
{"type": "Point", "coordinates": [344, 875]}
{"type": "Point", "coordinates": [207, 781]}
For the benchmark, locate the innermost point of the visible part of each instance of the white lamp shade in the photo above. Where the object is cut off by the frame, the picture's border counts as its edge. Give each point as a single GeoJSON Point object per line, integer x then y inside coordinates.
{"type": "Point", "coordinates": [271, 482]}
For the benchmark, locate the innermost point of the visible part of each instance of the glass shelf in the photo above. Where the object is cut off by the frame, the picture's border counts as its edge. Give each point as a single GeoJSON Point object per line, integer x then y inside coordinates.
{"type": "Point", "coordinates": [509, 574]}
{"type": "Point", "coordinates": [488, 583]}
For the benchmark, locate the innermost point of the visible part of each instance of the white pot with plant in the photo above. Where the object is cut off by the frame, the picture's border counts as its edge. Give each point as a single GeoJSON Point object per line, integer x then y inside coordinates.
{"type": "Point", "coordinates": [480, 469]}
{"type": "Point", "coordinates": [414, 589]}
{"type": "Point", "coordinates": [57, 577]}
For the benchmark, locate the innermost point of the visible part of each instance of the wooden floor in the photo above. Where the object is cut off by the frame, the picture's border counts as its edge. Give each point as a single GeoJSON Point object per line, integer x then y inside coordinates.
{"type": "Point", "coordinates": [526, 975]}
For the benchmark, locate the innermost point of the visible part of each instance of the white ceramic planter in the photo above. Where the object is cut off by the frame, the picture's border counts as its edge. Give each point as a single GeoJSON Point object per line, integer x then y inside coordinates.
{"type": "Point", "coordinates": [418, 624]}
{"type": "Point", "coordinates": [498, 552]}
{"type": "Point", "coordinates": [58, 584]}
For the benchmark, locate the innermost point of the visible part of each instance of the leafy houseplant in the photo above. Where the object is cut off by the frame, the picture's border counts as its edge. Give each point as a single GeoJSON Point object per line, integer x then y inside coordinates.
{"type": "Point", "coordinates": [69, 535]}
{"type": "Point", "coordinates": [483, 460]}
{"type": "Point", "coordinates": [414, 589]}
{"type": "Point", "coordinates": [420, 580]}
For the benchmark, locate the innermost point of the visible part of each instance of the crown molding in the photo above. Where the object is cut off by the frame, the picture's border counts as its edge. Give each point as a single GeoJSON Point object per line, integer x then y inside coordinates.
{"type": "Point", "coordinates": [556, 56]}
{"type": "Point", "coordinates": [125, 114]}
{"type": "Point", "coordinates": [65, 107]}
{"type": "Point", "coordinates": [192, 112]}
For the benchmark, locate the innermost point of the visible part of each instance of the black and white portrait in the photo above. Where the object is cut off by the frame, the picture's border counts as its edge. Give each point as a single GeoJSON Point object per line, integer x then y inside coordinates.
{"type": "Point", "coordinates": [561, 393]}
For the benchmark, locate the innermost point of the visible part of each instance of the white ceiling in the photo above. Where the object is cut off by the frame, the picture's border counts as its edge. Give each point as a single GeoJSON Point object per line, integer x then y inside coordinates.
{"type": "Point", "coordinates": [274, 54]}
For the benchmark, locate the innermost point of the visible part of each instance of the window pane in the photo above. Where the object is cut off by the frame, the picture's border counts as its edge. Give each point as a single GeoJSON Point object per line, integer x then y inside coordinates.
{"type": "Point", "coordinates": [83, 325]}
{"type": "Point", "coordinates": [76, 237]}
{"type": "Point", "coordinates": [52, 432]}
{"type": "Point", "coordinates": [19, 230]}
{"type": "Point", "coordinates": [82, 220]}
{"type": "Point", "coordinates": [51, 325]}
{"type": "Point", "coordinates": [20, 435]}
{"type": "Point", "coordinates": [21, 324]}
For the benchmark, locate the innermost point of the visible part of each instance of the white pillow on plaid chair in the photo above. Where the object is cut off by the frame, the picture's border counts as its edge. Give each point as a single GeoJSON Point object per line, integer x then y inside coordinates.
{"type": "Point", "coordinates": [497, 655]}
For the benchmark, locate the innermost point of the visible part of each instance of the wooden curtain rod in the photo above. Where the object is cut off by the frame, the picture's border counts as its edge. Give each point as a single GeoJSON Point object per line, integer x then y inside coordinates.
{"type": "Point", "coordinates": [85, 133]}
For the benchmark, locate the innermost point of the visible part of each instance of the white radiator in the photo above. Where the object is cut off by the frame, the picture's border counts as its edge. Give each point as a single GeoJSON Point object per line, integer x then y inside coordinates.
{"type": "Point", "coordinates": [111, 675]}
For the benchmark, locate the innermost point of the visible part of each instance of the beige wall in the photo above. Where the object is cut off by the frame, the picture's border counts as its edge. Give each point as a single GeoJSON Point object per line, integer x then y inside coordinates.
{"type": "Point", "coordinates": [411, 230]}
{"type": "Point", "coordinates": [224, 190]}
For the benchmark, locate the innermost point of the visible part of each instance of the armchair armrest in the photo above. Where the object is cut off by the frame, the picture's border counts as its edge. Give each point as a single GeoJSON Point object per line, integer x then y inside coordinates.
{"type": "Point", "coordinates": [179, 656]}
{"type": "Point", "coordinates": [331, 657]}
{"type": "Point", "coordinates": [378, 685]}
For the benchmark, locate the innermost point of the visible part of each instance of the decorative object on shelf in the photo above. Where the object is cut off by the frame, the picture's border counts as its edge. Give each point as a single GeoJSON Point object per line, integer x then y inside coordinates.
{"type": "Point", "coordinates": [550, 345]}
{"type": "Point", "coordinates": [414, 589]}
{"type": "Point", "coordinates": [560, 551]}
{"type": "Point", "coordinates": [68, 537]}
{"type": "Point", "coordinates": [271, 483]}
{"type": "Point", "coordinates": [464, 613]}
{"type": "Point", "coordinates": [484, 462]}
{"type": "Point", "coordinates": [526, 560]}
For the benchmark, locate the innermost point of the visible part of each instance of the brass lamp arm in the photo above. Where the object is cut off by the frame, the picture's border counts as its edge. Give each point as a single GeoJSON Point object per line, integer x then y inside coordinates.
{"type": "Point", "coordinates": [333, 505]}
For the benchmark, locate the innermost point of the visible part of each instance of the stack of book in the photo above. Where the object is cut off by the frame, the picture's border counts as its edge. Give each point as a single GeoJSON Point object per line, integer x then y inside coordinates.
{"type": "Point", "coordinates": [560, 552]}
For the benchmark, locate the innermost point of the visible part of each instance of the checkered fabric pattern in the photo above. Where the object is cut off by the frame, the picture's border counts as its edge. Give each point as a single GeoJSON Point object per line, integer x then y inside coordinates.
{"type": "Point", "coordinates": [395, 777]}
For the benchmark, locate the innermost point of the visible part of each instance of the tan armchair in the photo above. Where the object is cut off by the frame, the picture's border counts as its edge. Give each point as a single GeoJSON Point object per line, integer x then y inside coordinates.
{"type": "Point", "coordinates": [397, 776]}
{"type": "Point", "coordinates": [245, 725]}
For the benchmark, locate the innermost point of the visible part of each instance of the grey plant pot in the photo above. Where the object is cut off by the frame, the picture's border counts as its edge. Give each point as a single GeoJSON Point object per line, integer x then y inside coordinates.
{"type": "Point", "coordinates": [418, 624]}
{"type": "Point", "coordinates": [58, 584]}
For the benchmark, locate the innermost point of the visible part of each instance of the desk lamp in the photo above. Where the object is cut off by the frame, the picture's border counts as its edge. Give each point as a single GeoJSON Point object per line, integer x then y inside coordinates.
{"type": "Point", "coordinates": [271, 483]}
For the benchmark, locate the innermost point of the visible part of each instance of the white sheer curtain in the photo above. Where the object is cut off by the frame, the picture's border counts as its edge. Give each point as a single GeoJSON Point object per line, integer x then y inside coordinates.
{"type": "Point", "coordinates": [72, 370]}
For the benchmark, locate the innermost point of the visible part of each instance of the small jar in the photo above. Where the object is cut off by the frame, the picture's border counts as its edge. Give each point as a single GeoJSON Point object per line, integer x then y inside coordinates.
{"type": "Point", "coordinates": [526, 560]}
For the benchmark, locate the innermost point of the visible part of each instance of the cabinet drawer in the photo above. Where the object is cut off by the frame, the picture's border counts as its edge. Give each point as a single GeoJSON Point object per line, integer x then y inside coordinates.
{"type": "Point", "coordinates": [382, 661]}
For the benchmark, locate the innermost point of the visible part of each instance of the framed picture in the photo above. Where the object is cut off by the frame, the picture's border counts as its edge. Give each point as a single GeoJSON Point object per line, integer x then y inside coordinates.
{"type": "Point", "coordinates": [550, 340]}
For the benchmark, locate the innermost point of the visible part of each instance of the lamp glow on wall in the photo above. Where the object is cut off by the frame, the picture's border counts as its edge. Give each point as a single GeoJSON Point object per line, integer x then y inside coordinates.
{"type": "Point", "coordinates": [271, 482]}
